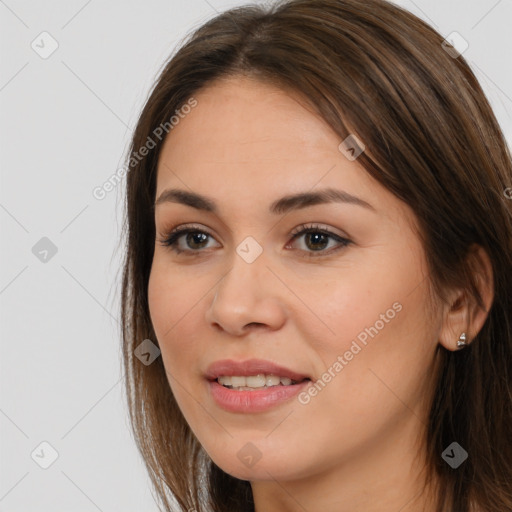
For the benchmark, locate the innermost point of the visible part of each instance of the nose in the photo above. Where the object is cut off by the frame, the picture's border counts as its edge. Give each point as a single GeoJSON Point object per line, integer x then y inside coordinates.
{"type": "Point", "coordinates": [247, 298]}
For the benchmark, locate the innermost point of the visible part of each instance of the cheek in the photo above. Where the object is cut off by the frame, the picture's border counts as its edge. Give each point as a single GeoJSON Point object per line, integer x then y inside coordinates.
{"type": "Point", "coordinates": [171, 304]}
{"type": "Point", "coordinates": [172, 300]}
{"type": "Point", "coordinates": [380, 360]}
{"type": "Point", "coordinates": [347, 303]}
{"type": "Point", "coordinates": [172, 295]}
{"type": "Point", "coordinates": [377, 319]}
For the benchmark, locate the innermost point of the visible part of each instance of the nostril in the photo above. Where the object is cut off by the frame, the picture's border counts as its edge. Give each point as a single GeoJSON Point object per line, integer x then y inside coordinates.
{"type": "Point", "coordinates": [256, 324]}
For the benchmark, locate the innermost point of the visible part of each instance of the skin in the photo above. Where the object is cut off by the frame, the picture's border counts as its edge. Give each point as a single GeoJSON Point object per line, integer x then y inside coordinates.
{"type": "Point", "coordinates": [358, 444]}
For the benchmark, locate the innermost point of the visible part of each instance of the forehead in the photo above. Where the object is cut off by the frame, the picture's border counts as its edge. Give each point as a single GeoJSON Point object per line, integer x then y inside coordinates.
{"type": "Point", "coordinates": [243, 127]}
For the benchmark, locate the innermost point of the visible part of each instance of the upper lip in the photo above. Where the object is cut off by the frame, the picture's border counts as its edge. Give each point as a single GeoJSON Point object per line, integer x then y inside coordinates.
{"type": "Point", "coordinates": [250, 367]}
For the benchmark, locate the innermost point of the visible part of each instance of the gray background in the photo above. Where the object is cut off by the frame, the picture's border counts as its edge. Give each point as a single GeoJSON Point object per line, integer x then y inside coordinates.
{"type": "Point", "coordinates": [65, 124]}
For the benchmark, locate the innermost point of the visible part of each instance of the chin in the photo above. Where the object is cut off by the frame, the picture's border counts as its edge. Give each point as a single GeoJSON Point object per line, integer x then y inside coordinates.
{"type": "Point", "coordinates": [279, 466]}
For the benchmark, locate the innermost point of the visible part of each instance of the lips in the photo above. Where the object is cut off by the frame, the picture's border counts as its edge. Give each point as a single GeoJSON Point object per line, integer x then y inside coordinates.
{"type": "Point", "coordinates": [253, 400]}
{"type": "Point", "coordinates": [251, 367]}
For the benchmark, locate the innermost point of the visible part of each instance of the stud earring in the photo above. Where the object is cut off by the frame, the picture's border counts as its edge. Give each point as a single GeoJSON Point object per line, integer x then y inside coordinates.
{"type": "Point", "coordinates": [461, 342]}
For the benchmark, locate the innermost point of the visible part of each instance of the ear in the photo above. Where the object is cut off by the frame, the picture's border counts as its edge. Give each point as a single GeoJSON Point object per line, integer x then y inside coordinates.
{"type": "Point", "coordinates": [462, 313]}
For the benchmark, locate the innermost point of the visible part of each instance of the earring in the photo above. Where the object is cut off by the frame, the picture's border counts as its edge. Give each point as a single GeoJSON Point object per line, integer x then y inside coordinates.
{"type": "Point", "coordinates": [461, 342]}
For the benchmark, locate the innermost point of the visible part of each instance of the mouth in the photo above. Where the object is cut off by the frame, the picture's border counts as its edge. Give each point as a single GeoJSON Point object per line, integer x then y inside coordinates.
{"type": "Point", "coordinates": [252, 373]}
{"type": "Point", "coordinates": [254, 382]}
{"type": "Point", "coordinates": [253, 385]}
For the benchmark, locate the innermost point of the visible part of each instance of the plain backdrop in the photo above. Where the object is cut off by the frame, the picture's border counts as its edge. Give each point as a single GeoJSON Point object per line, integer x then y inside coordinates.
{"type": "Point", "coordinates": [65, 122]}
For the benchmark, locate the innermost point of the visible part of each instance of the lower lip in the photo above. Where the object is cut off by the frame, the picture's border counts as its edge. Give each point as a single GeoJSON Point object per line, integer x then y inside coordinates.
{"type": "Point", "coordinates": [253, 401]}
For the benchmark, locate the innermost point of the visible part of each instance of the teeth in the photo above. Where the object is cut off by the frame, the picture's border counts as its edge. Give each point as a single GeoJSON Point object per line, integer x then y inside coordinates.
{"type": "Point", "coordinates": [254, 381]}
{"type": "Point", "coordinates": [238, 381]}
{"type": "Point", "coordinates": [224, 380]}
{"type": "Point", "coordinates": [272, 380]}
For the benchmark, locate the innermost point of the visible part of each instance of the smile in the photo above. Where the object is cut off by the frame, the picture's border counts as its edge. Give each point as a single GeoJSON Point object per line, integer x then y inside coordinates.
{"type": "Point", "coordinates": [251, 382]}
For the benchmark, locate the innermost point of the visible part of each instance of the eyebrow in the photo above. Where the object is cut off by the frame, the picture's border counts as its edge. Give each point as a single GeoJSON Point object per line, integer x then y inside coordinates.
{"type": "Point", "coordinates": [280, 206]}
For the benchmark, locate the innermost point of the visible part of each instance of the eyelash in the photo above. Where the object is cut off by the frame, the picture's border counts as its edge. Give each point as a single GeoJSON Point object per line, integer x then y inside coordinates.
{"type": "Point", "coordinates": [170, 240]}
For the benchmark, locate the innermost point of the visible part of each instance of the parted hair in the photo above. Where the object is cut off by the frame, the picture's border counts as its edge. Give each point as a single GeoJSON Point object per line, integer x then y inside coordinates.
{"type": "Point", "coordinates": [372, 68]}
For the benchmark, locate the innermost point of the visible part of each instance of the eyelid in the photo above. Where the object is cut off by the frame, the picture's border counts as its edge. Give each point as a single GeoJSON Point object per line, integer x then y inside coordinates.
{"type": "Point", "coordinates": [315, 226]}
{"type": "Point", "coordinates": [183, 227]}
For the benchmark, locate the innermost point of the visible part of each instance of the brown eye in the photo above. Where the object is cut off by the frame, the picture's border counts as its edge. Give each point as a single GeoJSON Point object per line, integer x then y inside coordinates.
{"type": "Point", "coordinates": [317, 240]}
{"type": "Point", "coordinates": [194, 240]}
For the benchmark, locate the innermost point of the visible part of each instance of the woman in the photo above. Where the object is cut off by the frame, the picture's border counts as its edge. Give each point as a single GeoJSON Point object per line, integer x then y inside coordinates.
{"type": "Point", "coordinates": [318, 269]}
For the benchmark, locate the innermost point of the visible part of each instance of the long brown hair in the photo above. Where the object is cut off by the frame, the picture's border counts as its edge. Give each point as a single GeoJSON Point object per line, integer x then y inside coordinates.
{"type": "Point", "coordinates": [372, 68]}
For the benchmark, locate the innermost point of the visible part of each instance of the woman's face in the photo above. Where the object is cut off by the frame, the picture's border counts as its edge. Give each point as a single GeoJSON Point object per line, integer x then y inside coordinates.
{"type": "Point", "coordinates": [353, 317]}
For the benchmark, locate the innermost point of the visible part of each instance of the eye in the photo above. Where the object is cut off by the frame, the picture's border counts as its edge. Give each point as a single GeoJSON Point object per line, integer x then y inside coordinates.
{"type": "Point", "coordinates": [317, 239]}
{"type": "Point", "coordinates": [195, 239]}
